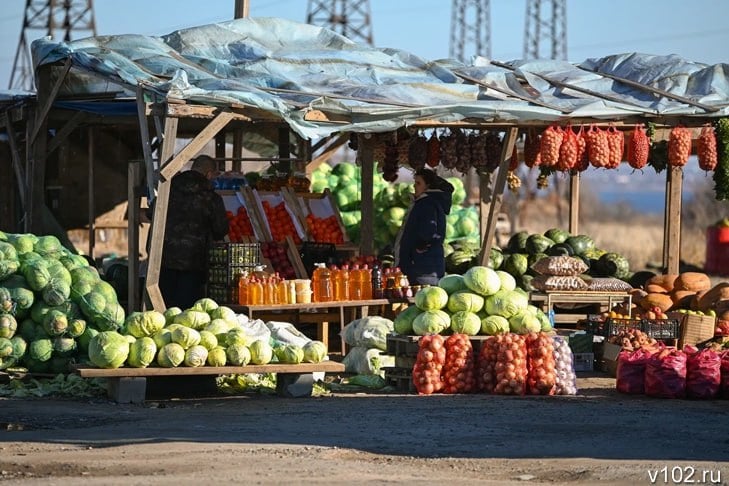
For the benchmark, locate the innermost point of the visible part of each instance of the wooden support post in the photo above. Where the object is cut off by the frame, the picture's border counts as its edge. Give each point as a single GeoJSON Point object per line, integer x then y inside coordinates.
{"type": "Point", "coordinates": [173, 166]}
{"type": "Point", "coordinates": [46, 99]}
{"type": "Point", "coordinates": [67, 129]}
{"type": "Point", "coordinates": [365, 156]}
{"type": "Point", "coordinates": [28, 183]}
{"type": "Point", "coordinates": [17, 161]}
{"type": "Point", "coordinates": [238, 149]}
{"type": "Point", "coordinates": [220, 147]}
{"type": "Point", "coordinates": [91, 188]}
{"type": "Point", "coordinates": [134, 181]}
{"type": "Point", "coordinates": [160, 220]}
{"type": "Point", "coordinates": [146, 144]}
{"type": "Point", "coordinates": [672, 248]}
{"type": "Point", "coordinates": [507, 149]}
{"type": "Point", "coordinates": [284, 149]}
{"type": "Point", "coordinates": [37, 163]}
{"type": "Point", "coordinates": [574, 227]}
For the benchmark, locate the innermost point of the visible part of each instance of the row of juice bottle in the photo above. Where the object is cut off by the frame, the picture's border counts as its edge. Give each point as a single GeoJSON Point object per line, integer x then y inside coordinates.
{"type": "Point", "coordinates": [328, 284]}
{"type": "Point", "coordinates": [357, 283]}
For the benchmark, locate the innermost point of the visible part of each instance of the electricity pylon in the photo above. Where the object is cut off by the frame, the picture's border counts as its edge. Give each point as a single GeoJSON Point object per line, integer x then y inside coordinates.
{"type": "Point", "coordinates": [54, 18]}
{"type": "Point", "coordinates": [546, 26]}
{"type": "Point", "coordinates": [470, 29]}
{"type": "Point", "coordinates": [351, 18]}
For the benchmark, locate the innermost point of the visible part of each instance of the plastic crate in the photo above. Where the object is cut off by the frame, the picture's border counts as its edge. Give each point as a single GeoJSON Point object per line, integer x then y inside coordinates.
{"type": "Point", "coordinates": [227, 275]}
{"type": "Point", "coordinates": [583, 361]}
{"type": "Point", "coordinates": [594, 324]}
{"type": "Point", "coordinates": [662, 328]}
{"type": "Point", "coordinates": [223, 294]}
{"type": "Point", "coordinates": [614, 326]}
{"type": "Point", "coordinates": [313, 253]}
{"type": "Point", "coordinates": [235, 254]}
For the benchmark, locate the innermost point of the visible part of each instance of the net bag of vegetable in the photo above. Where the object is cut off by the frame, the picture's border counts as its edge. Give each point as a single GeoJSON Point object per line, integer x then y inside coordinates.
{"type": "Point", "coordinates": [703, 373]}
{"type": "Point", "coordinates": [665, 374]}
{"type": "Point", "coordinates": [564, 370]}
{"type": "Point", "coordinates": [541, 377]}
{"type": "Point", "coordinates": [429, 364]}
{"type": "Point", "coordinates": [630, 377]}
{"type": "Point", "coordinates": [458, 370]}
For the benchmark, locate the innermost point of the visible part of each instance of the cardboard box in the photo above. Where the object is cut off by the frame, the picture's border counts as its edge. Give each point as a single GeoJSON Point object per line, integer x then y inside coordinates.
{"type": "Point", "coordinates": [696, 329]}
{"type": "Point", "coordinates": [609, 361]}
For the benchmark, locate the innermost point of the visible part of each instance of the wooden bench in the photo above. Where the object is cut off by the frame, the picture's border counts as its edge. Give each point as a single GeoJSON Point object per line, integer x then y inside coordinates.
{"type": "Point", "coordinates": [604, 300]}
{"type": "Point", "coordinates": [129, 385]}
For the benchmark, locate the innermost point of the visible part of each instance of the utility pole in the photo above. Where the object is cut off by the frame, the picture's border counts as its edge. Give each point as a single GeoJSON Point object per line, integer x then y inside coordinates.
{"type": "Point", "coordinates": [470, 29]}
{"type": "Point", "coordinates": [242, 9]}
{"type": "Point", "coordinates": [351, 18]}
{"type": "Point", "coordinates": [54, 18]}
{"type": "Point", "coordinates": [546, 26]}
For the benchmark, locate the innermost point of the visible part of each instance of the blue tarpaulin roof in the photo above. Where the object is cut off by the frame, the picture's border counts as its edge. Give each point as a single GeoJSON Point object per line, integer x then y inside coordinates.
{"type": "Point", "coordinates": [288, 69]}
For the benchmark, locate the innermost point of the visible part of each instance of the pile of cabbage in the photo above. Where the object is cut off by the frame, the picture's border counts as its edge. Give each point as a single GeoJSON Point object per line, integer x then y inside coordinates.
{"type": "Point", "coordinates": [482, 301]}
{"type": "Point", "coordinates": [52, 303]}
{"type": "Point", "coordinates": [207, 334]}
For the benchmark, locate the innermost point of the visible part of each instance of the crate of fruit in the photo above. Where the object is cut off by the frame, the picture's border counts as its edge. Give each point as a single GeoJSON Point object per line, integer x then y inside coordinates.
{"type": "Point", "coordinates": [614, 326]}
{"type": "Point", "coordinates": [279, 218]}
{"type": "Point", "coordinates": [242, 222]}
{"type": "Point", "coordinates": [321, 217]}
{"type": "Point", "coordinates": [662, 328]}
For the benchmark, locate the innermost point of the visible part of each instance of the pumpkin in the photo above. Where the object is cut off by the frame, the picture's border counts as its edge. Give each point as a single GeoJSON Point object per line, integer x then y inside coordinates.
{"type": "Point", "coordinates": [666, 282]}
{"type": "Point", "coordinates": [692, 281]}
{"type": "Point", "coordinates": [711, 299]}
{"type": "Point", "coordinates": [637, 295]}
{"type": "Point", "coordinates": [682, 298]}
{"type": "Point", "coordinates": [662, 301]}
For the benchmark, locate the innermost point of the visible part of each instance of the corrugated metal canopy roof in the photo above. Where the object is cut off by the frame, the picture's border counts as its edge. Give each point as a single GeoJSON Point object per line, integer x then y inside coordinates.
{"type": "Point", "coordinates": [289, 69]}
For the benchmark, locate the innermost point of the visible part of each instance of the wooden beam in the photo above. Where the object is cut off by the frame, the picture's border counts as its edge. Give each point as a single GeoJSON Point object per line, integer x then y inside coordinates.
{"type": "Point", "coordinates": [365, 156]}
{"type": "Point", "coordinates": [514, 94]}
{"type": "Point", "coordinates": [146, 143]}
{"type": "Point", "coordinates": [329, 151]}
{"type": "Point", "coordinates": [37, 161]}
{"type": "Point", "coordinates": [62, 134]}
{"type": "Point", "coordinates": [574, 227]}
{"type": "Point", "coordinates": [507, 149]}
{"type": "Point", "coordinates": [134, 181]}
{"type": "Point", "coordinates": [195, 145]}
{"type": "Point", "coordinates": [160, 221]}
{"type": "Point", "coordinates": [51, 97]}
{"type": "Point", "coordinates": [238, 149]}
{"type": "Point", "coordinates": [92, 190]}
{"type": "Point", "coordinates": [656, 91]}
{"type": "Point", "coordinates": [17, 162]}
{"type": "Point", "coordinates": [672, 250]}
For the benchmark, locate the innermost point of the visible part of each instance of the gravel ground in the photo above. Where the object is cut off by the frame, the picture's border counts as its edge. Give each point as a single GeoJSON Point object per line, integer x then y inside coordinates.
{"type": "Point", "coordinates": [597, 437]}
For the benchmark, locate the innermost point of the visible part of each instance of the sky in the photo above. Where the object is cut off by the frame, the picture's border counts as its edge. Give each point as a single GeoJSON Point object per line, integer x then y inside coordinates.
{"type": "Point", "coordinates": [696, 30]}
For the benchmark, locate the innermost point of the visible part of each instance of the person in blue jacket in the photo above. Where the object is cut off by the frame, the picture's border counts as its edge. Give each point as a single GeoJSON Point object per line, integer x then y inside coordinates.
{"type": "Point", "coordinates": [419, 246]}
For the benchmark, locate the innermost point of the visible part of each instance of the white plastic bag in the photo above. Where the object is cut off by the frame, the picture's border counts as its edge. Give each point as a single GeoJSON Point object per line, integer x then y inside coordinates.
{"type": "Point", "coordinates": [367, 361]}
{"type": "Point", "coordinates": [368, 332]}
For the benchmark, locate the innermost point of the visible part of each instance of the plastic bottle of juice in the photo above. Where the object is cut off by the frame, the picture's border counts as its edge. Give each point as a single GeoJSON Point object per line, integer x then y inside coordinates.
{"type": "Point", "coordinates": [365, 282]}
{"type": "Point", "coordinates": [376, 282]}
{"type": "Point", "coordinates": [322, 283]}
{"type": "Point", "coordinates": [243, 296]}
{"type": "Point", "coordinates": [282, 290]}
{"type": "Point", "coordinates": [355, 289]}
{"type": "Point", "coordinates": [271, 297]}
{"type": "Point", "coordinates": [336, 282]}
{"type": "Point", "coordinates": [345, 283]}
{"type": "Point", "coordinates": [255, 292]}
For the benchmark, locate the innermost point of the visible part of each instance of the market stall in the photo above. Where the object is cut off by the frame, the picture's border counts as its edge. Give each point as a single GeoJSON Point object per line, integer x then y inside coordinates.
{"type": "Point", "coordinates": [487, 101]}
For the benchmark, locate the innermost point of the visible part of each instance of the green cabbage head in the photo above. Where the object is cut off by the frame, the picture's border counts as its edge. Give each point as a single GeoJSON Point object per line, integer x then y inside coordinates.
{"type": "Point", "coordinates": [314, 352]}
{"type": "Point", "coordinates": [289, 353]}
{"type": "Point", "coordinates": [238, 355]}
{"type": "Point", "coordinates": [217, 357]}
{"type": "Point", "coordinates": [431, 322]}
{"type": "Point", "coordinates": [186, 337]}
{"type": "Point", "coordinates": [108, 349]}
{"type": "Point", "coordinates": [196, 356]}
{"type": "Point", "coordinates": [171, 355]}
{"type": "Point", "coordinates": [144, 324]}
{"type": "Point", "coordinates": [208, 340]}
{"type": "Point", "coordinates": [493, 325]}
{"type": "Point", "coordinates": [261, 352]}
{"type": "Point", "coordinates": [142, 352]}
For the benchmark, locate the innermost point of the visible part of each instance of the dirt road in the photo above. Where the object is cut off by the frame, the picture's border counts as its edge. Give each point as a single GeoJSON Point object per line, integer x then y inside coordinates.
{"type": "Point", "coordinates": [597, 437]}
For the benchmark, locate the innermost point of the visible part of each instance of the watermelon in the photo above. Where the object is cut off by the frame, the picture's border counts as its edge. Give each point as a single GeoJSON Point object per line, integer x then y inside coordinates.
{"type": "Point", "coordinates": [538, 244]}
{"type": "Point", "coordinates": [580, 243]}
{"type": "Point", "coordinates": [557, 235]}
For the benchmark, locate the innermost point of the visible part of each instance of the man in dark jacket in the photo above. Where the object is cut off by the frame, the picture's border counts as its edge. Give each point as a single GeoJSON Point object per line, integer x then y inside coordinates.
{"type": "Point", "coordinates": [420, 243]}
{"type": "Point", "coordinates": [195, 218]}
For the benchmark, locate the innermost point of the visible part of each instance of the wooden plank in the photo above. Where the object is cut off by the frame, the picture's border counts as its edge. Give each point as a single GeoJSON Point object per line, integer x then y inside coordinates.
{"type": "Point", "coordinates": [238, 149]}
{"type": "Point", "coordinates": [329, 151]}
{"type": "Point", "coordinates": [574, 227]}
{"type": "Point", "coordinates": [37, 163]}
{"type": "Point", "coordinates": [47, 101]}
{"type": "Point", "coordinates": [295, 258]}
{"type": "Point", "coordinates": [195, 145]}
{"type": "Point", "coordinates": [62, 134]}
{"type": "Point", "coordinates": [507, 150]}
{"type": "Point", "coordinates": [673, 210]}
{"type": "Point", "coordinates": [365, 156]}
{"type": "Point", "coordinates": [325, 366]}
{"type": "Point", "coordinates": [298, 210]}
{"type": "Point", "coordinates": [160, 221]}
{"type": "Point", "coordinates": [514, 94]}
{"type": "Point", "coordinates": [310, 306]}
{"type": "Point", "coordinates": [134, 176]}
{"type": "Point", "coordinates": [255, 214]}
{"type": "Point", "coordinates": [651, 89]}
{"type": "Point", "coordinates": [92, 190]}
{"type": "Point", "coordinates": [16, 160]}
{"type": "Point", "coordinates": [146, 143]}
{"type": "Point", "coordinates": [244, 114]}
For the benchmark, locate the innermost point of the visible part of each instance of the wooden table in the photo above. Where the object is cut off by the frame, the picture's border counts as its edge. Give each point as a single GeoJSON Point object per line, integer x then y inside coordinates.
{"type": "Point", "coordinates": [606, 300]}
{"type": "Point", "coordinates": [129, 384]}
{"type": "Point", "coordinates": [319, 313]}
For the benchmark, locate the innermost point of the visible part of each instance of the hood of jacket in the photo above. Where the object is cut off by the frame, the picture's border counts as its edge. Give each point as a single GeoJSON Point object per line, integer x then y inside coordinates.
{"type": "Point", "coordinates": [192, 182]}
{"type": "Point", "coordinates": [443, 197]}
